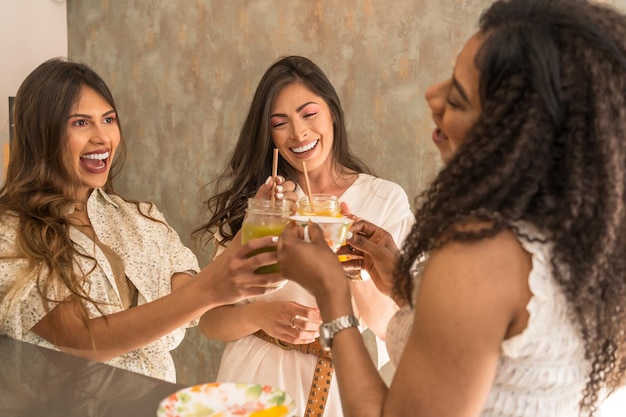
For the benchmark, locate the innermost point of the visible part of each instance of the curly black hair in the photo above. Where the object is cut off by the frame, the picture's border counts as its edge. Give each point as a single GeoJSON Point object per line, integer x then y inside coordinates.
{"type": "Point", "coordinates": [549, 149]}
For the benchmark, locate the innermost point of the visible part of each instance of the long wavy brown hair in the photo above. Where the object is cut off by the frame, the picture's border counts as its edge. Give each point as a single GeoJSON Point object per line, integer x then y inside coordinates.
{"type": "Point", "coordinates": [250, 162]}
{"type": "Point", "coordinates": [39, 186]}
{"type": "Point", "coordinates": [550, 149]}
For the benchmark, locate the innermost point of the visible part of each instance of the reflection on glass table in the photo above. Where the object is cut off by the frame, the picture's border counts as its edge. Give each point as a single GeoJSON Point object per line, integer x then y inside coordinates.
{"type": "Point", "coordinates": [36, 381]}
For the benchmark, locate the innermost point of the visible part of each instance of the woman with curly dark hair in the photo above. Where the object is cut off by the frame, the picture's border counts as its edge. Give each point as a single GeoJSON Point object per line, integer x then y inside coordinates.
{"type": "Point", "coordinates": [518, 306]}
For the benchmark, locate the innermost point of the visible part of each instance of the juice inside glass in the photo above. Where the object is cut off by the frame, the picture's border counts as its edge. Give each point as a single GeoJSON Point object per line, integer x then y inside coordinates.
{"type": "Point", "coordinates": [326, 205]}
{"type": "Point", "coordinates": [264, 218]}
{"type": "Point", "coordinates": [335, 229]}
{"type": "Point", "coordinates": [323, 205]}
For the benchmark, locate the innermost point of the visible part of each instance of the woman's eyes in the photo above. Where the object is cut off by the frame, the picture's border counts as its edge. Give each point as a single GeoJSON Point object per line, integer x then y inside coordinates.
{"type": "Point", "coordinates": [451, 103]}
{"type": "Point", "coordinates": [84, 122]}
{"type": "Point", "coordinates": [280, 123]}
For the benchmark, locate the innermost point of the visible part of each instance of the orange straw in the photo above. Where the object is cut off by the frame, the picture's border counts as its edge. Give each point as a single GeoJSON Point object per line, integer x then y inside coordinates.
{"type": "Point", "coordinates": [308, 185]}
{"type": "Point", "coordinates": [274, 174]}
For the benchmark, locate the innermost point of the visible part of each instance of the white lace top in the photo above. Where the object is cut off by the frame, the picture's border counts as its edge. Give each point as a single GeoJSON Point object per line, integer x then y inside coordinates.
{"type": "Point", "coordinates": [542, 371]}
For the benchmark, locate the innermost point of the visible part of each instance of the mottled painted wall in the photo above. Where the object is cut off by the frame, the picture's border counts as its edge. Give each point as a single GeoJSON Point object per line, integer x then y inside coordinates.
{"type": "Point", "coordinates": [183, 73]}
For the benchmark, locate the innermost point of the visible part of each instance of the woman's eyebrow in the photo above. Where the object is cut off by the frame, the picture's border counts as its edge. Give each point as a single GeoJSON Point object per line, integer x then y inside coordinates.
{"type": "Point", "coordinates": [82, 116]}
{"type": "Point", "coordinates": [88, 116]}
{"type": "Point", "coordinates": [460, 89]}
{"type": "Point", "coordinates": [298, 110]}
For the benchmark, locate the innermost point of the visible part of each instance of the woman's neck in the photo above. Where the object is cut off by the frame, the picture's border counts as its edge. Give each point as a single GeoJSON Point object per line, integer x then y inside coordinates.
{"type": "Point", "coordinates": [79, 216]}
{"type": "Point", "coordinates": [80, 220]}
{"type": "Point", "coordinates": [328, 181]}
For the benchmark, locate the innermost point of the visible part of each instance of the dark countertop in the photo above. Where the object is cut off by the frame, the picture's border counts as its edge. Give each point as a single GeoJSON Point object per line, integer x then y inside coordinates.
{"type": "Point", "coordinates": [38, 382]}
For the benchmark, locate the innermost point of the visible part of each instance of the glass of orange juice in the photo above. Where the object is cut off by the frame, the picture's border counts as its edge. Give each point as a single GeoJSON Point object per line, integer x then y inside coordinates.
{"type": "Point", "coordinates": [265, 218]}
{"type": "Point", "coordinates": [335, 228]}
{"type": "Point", "coordinates": [326, 205]}
{"type": "Point", "coordinates": [326, 212]}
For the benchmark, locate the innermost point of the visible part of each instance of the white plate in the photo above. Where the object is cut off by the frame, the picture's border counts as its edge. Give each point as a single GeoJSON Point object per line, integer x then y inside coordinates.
{"type": "Point", "coordinates": [228, 400]}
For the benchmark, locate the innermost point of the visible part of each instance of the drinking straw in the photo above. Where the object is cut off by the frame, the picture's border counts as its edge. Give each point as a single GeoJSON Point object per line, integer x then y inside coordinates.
{"type": "Point", "coordinates": [274, 174]}
{"type": "Point", "coordinates": [308, 184]}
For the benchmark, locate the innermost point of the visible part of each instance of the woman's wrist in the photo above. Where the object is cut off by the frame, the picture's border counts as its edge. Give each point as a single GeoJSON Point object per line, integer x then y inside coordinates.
{"type": "Point", "coordinates": [253, 313]}
{"type": "Point", "coordinates": [335, 302]}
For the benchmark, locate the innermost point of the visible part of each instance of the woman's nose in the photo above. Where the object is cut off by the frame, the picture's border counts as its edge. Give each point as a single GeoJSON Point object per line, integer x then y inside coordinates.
{"type": "Point", "coordinates": [100, 133]}
{"type": "Point", "coordinates": [300, 131]}
{"type": "Point", "coordinates": [436, 96]}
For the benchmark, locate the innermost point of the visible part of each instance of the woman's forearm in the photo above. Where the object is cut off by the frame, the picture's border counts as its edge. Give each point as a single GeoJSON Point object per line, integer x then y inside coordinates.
{"type": "Point", "coordinates": [119, 333]}
{"type": "Point", "coordinates": [375, 308]}
{"type": "Point", "coordinates": [228, 323]}
{"type": "Point", "coordinates": [361, 388]}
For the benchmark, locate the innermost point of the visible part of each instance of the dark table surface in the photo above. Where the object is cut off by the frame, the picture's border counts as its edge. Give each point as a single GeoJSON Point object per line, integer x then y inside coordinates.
{"type": "Point", "coordinates": [39, 382]}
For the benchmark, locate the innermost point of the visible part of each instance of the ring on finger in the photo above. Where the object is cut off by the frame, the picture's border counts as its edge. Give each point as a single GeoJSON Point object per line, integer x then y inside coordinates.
{"type": "Point", "coordinates": [293, 323]}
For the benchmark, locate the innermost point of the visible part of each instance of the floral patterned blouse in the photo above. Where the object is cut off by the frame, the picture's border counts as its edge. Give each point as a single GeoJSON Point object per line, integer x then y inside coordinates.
{"type": "Point", "coordinates": [151, 252]}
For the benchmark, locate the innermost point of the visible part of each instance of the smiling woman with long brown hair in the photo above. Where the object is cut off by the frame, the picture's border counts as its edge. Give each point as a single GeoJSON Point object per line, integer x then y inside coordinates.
{"type": "Point", "coordinates": [82, 269]}
{"type": "Point", "coordinates": [296, 110]}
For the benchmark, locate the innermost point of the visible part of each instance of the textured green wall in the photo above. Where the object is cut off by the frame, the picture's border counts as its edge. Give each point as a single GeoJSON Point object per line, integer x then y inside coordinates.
{"type": "Point", "coordinates": [183, 73]}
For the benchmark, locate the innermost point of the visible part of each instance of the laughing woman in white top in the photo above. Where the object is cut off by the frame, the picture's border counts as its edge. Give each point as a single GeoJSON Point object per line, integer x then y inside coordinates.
{"type": "Point", "coordinates": [296, 109]}
{"type": "Point", "coordinates": [518, 308]}
{"type": "Point", "coordinates": [82, 269]}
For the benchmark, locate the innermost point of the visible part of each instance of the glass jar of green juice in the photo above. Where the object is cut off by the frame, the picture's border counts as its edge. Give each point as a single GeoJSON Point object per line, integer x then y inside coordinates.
{"type": "Point", "coordinates": [265, 218]}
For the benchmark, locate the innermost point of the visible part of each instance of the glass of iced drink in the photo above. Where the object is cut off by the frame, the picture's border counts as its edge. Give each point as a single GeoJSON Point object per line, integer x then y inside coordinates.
{"type": "Point", "coordinates": [326, 212]}
{"type": "Point", "coordinates": [265, 218]}
{"type": "Point", "coordinates": [326, 205]}
{"type": "Point", "coordinates": [335, 228]}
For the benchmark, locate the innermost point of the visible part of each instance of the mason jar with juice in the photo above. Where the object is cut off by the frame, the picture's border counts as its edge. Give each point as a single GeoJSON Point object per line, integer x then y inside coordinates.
{"type": "Point", "coordinates": [323, 205]}
{"type": "Point", "coordinates": [326, 206]}
{"type": "Point", "coordinates": [265, 218]}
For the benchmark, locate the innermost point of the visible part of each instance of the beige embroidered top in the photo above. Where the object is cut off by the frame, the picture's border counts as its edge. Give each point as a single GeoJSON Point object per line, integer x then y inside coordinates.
{"type": "Point", "coordinates": [150, 252]}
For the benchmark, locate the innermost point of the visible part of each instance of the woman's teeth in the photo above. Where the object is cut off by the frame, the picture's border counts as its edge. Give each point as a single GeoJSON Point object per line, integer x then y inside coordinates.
{"type": "Point", "coordinates": [100, 156]}
{"type": "Point", "coordinates": [305, 148]}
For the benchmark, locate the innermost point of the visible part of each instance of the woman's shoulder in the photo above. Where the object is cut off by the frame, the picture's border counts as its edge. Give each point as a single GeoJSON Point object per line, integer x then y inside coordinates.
{"type": "Point", "coordinates": [116, 202]}
{"type": "Point", "coordinates": [379, 185]}
{"type": "Point", "coordinates": [9, 224]}
{"type": "Point", "coordinates": [500, 261]}
{"type": "Point", "coordinates": [382, 202]}
{"type": "Point", "coordinates": [9, 228]}
{"type": "Point", "coordinates": [487, 278]}
{"type": "Point", "coordinates": [504, 242]}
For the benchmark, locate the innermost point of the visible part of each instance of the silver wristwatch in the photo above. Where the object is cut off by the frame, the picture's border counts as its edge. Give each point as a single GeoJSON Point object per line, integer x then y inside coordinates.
{"type": "Point", "coordinates": [330, 329]}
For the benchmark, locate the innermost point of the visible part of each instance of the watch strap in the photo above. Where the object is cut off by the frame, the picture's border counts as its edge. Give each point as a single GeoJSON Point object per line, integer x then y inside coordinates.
{"type": "Point", "coordinates": [330, 329]}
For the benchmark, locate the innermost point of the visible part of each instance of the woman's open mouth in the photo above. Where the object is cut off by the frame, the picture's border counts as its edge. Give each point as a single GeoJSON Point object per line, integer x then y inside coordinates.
{"type": "Point", "coordinates": [439, 136]}
{"type": "Point", "coordinates": [95, 162]}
